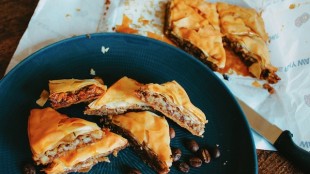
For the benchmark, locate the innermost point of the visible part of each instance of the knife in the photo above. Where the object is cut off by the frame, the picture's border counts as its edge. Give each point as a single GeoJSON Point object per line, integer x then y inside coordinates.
{"type": "Point", "coordinates": [282, 140]}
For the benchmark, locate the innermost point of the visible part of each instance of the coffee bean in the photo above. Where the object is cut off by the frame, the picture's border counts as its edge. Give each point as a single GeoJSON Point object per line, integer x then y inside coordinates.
{"type": "Point", "coordinates": [195, 162]}
{"type": "Point", "coordinates": [28, 168]}
{"type": "Point", "coordinates": [134, 171]}
{"type": "Point", "coordinates": [192, 145]}
{"type": "Point", "coordinates": [171, 132]}
{"type": "Point", "coordinates": [176, 154]}
{"type": "Point", "coordinates": [183, 167]}
{"type": "Point", "coordinates": [204, 155]}
{"type": "Point", "coordinates": [215, 152]}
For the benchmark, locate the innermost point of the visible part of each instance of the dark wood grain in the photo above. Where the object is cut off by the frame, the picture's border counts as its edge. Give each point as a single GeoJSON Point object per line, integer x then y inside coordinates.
{"type": "Point", "coordinates": [14, 18]}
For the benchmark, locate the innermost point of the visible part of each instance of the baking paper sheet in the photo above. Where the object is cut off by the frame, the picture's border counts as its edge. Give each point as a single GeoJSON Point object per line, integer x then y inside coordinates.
{"type": "Point", "coordinates": [287, 23]}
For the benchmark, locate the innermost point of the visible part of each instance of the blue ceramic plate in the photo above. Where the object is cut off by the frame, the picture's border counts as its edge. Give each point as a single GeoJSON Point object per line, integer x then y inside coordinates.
{"type": "Point", "coordinates": [145, 60]}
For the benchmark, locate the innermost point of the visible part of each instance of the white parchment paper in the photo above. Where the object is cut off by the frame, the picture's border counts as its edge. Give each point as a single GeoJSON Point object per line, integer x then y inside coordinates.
{"type": "Point", "coordinates": [287, 23]}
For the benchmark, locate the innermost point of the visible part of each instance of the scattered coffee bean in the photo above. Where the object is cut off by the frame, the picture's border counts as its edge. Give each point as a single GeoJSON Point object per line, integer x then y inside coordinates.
{"type": "Point", "coordinates": [195, 162]}
{"type": "Point", "coordinates": [183, 167]}
{"type": "Point", "coordinates": [192, 145]}
{"type": "Point", "coordinates": [215, 152]}
{"type": "Point", "coordinates": [176, 154]}
{"type": "Point", "coordinates": [204, 155]}
{"type": "Point", "coordinates": [171, 132]}
{"type": "Point", "coordinates": [28, 168]}
{"type": "Point", "coordinates": [134, 171]}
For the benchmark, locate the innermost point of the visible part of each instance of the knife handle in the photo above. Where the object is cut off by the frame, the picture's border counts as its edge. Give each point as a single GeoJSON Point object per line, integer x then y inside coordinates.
{"type": "Point", "coordinates": [297, 155]}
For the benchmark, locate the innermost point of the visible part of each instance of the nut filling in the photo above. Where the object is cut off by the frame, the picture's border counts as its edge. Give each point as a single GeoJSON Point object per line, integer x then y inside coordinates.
{"type": "Point", "coordinates": [65, 99]}
{"type": "Point", "coordinates": [63, 147]}
{"type": "Point", "coordinates": [85, 166]}
{"type": "Point", "coordinates": [182, 116]}
{"type": "Point", "coordinates": [116, 111]}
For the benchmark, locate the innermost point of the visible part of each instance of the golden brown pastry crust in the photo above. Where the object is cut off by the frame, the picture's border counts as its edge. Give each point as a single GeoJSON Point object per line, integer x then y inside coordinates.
{"type": "Point", "coordinates": [66, 92]}
{"type": "Point", "coordinates": [109, 143]}
{"type": "Point", "coordinates": [118, 99]}
{"type": "Point", "coordinates": [172, 100]}
{"type": "Point", "coordinates": [194, 26]}
{"type": "Point", "coordinates": [244, 30]}
{"type": "Point", "coordinates": [149, 130]}
{"type": "Point", "coordinates": [47, 129]}
{"type": "Point", "coordinates": [71, 85]}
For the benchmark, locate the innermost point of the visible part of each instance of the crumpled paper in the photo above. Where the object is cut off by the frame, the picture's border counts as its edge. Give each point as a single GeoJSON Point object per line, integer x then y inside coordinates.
{"type": "Point", "coordinates": [287, 23]}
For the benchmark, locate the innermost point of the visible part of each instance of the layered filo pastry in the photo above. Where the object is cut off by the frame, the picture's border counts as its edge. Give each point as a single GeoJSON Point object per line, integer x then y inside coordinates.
{"type": "Point", "coordinates": [82, 159]}
{"type": "Point", "coordinates": [244, 31]}
{"type": "Point", "coordinates": [148, 135]}
{"type": "Point", "coordinates": [52, 135]}
{"type": "Point", "coordinates": [118, 99]}
{"type": "Point", "coordinates": [66, 92]}
{"type": "Point", "coordinates": [172, 100]}
{"type": "Point", "coordinates": [194, 26]}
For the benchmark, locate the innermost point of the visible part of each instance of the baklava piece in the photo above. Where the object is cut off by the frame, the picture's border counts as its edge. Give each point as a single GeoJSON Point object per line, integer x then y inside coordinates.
{"type": "Point", "coordinates": [172, 100]}
{"type": "Point", "coordinates": [193, 25]}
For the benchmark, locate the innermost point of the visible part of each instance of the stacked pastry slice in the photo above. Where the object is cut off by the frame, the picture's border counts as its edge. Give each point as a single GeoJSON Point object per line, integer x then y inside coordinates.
{"type": "Point", "coordinates": [118, 99]}
{"type": "Point", "coordinates": [148, 134]}
{"type": "Point", "coordinates": [123, 104]}
{"type": "Point", "coordinates": [244, 31]}
{"type": "Point", "coordinates": [82, 159]}
{"type": "Point", "coordinates": [172, 100]}
{"type": "Point", "coordinates": [68, 144]}
{"type": "Point", "coordinates": [193, 25]}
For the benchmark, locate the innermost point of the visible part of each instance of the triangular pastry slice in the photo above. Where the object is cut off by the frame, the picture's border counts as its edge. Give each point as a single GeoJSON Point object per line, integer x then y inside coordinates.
{"type": "Point", "coordinates": [244, 31]}
{"type": "Point", "coordinates": [148, 134]}
{"type": "Point", "coordinates": [193, 25]}
{"type": "Point", "coordinates": [172, 100]}
{"type": "Point", "coordinates": [118, 99]}
{"type": "Point", "coordinates": [83, 159]}
{"type": "Point", "coordinates": [66, 92]}
{"type": "Point", "coordinates": [52, 134]}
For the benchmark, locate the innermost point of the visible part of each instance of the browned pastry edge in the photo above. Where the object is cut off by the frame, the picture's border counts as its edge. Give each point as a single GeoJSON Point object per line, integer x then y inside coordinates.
{"type": "Point", "coordinates": [248, 60]}
{"type": "Point", "coordinates": [184, 44]}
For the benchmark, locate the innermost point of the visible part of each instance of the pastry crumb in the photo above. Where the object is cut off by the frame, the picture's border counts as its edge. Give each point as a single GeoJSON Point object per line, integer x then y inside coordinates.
{"type": "Point", "coordinates": [270, 89]}
{"type": "Point", "coordinates": [292, 6]}
{"type": "Point", "coordinates": [256, 84]}
{"type": "Point", "coordinates": [104, 49]}
{"type": "Point", "coordinates": [92, 72]}
{"type": "Point", "coordinates": [115, 153]}
{"type": "Point", "coordinates": [43, 98]}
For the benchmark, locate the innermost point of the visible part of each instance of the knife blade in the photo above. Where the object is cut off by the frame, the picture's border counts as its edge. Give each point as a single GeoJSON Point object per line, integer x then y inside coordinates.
{"type": "Point", "coordinates": [282, 140]}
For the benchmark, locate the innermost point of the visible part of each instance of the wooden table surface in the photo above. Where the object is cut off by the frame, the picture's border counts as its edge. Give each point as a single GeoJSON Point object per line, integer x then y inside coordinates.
{"type": "Point", "coordinates": [14, 18]}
